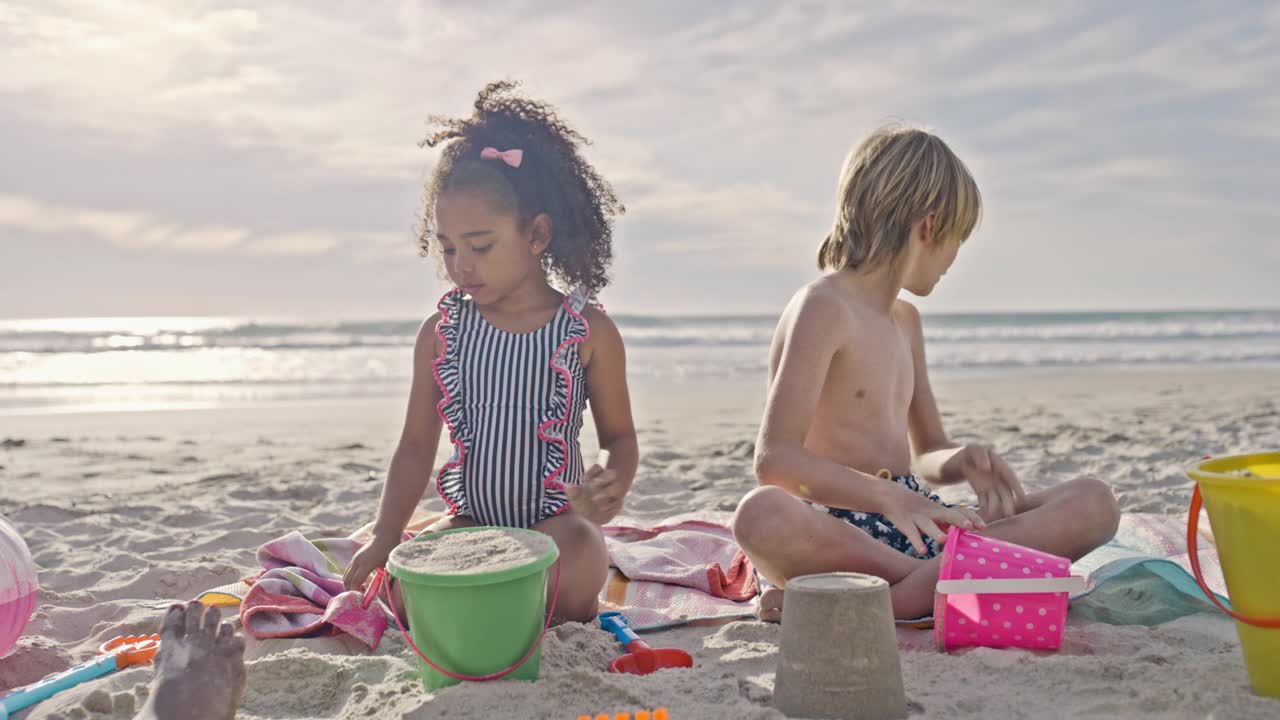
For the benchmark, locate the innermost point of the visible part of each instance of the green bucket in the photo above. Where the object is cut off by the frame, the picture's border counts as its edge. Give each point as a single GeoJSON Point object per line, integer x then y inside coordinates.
{"type": "Point", "coordinates": [476, 624]}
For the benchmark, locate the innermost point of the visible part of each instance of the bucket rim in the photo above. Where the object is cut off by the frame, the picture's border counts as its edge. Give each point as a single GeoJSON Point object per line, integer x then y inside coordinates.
{"type": "Point", "coordinates": [1215, 471]}
{"type": "Point", "coordinates": [537, 565]}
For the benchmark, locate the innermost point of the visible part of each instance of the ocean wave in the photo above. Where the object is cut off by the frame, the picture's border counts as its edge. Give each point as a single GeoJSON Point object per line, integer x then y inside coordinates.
{"type": "Point", "coordinates": [641, 331]}
{"type": "Point", "coordinates": [199, 350]}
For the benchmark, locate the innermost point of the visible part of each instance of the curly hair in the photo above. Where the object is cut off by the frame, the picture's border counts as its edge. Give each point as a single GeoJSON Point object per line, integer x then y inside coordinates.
{"type": "Point", "coordinates": [553, 178]}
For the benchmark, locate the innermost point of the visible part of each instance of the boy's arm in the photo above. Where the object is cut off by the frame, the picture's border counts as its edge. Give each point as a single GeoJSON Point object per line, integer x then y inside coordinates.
{"type": "Point", "coordinates": [937, 459]}
{"type": "Point", "coordinates": [600, 498]}
{"type": "Point", "coordinates": [930, 447]}
{"type": "Point", "coordinates": [808, 347]}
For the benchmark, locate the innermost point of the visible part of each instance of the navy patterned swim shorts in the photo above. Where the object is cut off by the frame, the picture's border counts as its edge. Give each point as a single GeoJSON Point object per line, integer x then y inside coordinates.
{"type": "Point", "coordinates": [878, 527]}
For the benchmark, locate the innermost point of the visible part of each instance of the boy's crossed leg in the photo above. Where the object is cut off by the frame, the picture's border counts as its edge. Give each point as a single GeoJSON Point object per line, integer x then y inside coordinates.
{"type": "Point", "coordinates": [785, 537]}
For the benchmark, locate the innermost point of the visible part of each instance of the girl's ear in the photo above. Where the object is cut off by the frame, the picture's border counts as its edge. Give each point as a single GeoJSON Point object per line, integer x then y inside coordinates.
{"type": "Point", "coordinates": [540, 234]}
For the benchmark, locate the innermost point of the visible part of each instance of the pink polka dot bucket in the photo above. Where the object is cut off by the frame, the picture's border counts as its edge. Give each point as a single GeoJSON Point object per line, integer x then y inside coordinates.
{"type": "Point", "coordinates": [993, 593]}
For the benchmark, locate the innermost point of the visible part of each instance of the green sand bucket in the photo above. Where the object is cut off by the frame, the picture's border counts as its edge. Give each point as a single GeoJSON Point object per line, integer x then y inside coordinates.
{"type": "Point", "coordinates": [1242, 495]}
{"type": "Point", "coordinates": [480, 625]}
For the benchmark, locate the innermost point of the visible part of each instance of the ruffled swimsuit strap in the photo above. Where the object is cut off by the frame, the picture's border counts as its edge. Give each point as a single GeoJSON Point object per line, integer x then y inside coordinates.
{"type": "Point", "coordinates": [551, 431]}
{"type": "Point", "coordinates": [450, 408]}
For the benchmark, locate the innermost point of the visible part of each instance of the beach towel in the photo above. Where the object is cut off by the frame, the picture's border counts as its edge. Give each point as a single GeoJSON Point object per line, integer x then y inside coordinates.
{"type": "Point", "coordinates": [1143, 576]}
{"type": "Point", "coordinates": [301, 594]}
{"type": "Point", "coordinates": [685, 569]}
{"type": "Point", "coordinates": [691, 551]}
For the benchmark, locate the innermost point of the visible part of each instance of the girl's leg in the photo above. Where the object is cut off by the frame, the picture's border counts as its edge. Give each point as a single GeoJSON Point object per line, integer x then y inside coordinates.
{"type": "Point", "coordinates": [584, 565]}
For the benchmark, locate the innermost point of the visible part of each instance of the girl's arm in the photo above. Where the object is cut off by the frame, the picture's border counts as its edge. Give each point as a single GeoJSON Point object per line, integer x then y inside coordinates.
{"type": "Point", "coordinates": [411, 464]}
{"type": "Point", "coordinates": [611, 408]}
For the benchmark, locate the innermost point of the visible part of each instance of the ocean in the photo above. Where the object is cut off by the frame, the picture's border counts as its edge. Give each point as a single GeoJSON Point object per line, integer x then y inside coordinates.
{"type": "Point", "coordinates": [77, 364]}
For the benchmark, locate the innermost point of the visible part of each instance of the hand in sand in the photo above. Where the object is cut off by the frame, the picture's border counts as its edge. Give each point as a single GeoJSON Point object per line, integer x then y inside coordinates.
{"type": "Point", "coordinates": [912, 514]}
{"type": "Point", "coordinates": [372, 556]}
{"type": "Point", "coordinates": [998, 489]}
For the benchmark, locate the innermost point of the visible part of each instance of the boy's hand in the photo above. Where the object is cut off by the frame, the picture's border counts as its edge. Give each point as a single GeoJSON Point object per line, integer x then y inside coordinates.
{"type": "Point", "coordinates": [998, 489]}
{"type": "Point", "coordinates": [912, 514]}
{"type": "Point", "coordinates": [372, 556]}
{"type": "Point", "coordinates": [599, 497]}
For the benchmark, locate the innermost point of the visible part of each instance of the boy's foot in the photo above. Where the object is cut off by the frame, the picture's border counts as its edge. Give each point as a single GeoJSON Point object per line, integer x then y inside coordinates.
{"type": "Point", "coordinates": [199, 669]}
{"type": "Point", "coordinates": [770, 607]}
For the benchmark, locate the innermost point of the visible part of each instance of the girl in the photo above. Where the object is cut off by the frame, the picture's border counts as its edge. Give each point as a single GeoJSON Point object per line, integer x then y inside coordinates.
{"type": "Point", "coordinates": [509, 362]}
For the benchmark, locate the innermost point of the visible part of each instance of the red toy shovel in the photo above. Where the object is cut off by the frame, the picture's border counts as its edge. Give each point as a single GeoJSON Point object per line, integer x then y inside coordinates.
{"type": "Point", "coordinates": [640, 658]}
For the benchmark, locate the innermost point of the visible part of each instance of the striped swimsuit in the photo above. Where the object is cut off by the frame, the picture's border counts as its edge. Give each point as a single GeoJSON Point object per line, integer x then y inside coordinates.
{"type": "Point", "coordinates": [513, 404]}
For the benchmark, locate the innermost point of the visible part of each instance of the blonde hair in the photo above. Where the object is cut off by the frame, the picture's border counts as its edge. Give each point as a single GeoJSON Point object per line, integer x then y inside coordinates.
{"type": "Point", "coordinates": [893, 179]}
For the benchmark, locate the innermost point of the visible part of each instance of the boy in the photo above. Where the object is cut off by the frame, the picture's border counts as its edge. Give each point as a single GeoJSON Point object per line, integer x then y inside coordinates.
{"type": "Point", "coordinates": [850, 413]}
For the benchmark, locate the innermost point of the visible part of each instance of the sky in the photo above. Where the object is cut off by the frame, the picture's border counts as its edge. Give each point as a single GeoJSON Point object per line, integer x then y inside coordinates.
{"type": "Point", "coordinates": [198, 158]}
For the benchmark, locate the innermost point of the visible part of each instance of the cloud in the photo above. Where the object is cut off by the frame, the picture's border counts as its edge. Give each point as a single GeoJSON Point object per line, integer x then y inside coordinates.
{"type": "Point", "coordinates": [374, 247]}
{"type": "Point", "coordinates": [723, 128]}
{"type": "Point", "coordinates": [139, 230]}
{"type": "Point", "coordinates": [295, 244]}
{"type": "Point", "coordinates": [125, 229]}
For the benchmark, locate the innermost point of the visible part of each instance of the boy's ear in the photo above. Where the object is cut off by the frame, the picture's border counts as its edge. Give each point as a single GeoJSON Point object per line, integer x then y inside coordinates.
{"type": "Point", "coordinates": [926, 227]}
{"type": "Point", "coordinates": [540, 233]}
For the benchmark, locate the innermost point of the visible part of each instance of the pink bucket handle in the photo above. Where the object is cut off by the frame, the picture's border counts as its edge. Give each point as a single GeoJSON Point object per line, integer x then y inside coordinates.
{"type": "Point", "coordinates": [1002, 586]}
{"type": "Point", "coordinates": [1193, 523]}
{"type": "Point", "coordinates": [380, 580]}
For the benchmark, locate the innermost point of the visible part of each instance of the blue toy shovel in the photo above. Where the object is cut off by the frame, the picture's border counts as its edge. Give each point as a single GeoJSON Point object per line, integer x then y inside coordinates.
{"type": "Point", "coordinates": [115, 654]}
{"type": "Point", "coordinates": [640, 658]}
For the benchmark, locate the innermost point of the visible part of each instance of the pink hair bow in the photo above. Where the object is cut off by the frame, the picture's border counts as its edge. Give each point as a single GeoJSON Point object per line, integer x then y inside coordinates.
{"type": "Point", "coordinates": [511, 157]}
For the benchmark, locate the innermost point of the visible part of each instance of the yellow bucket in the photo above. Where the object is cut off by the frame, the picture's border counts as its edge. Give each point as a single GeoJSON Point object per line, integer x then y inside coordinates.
{"type": "Point", "coordinates": [1242, 495]}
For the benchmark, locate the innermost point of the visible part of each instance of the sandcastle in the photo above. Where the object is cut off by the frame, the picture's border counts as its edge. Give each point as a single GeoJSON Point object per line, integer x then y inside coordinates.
{"type": "Point", "coordinates": [839, 651]}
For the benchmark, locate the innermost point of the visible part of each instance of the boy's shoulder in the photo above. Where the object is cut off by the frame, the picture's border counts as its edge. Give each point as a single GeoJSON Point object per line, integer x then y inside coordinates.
{"type": "Point", "coordinates": [818, 319]}
{"type": "Point", "coordinates": [820, 297]}
{"type": "Point", "coordinates": [906, 310]}
{"type": "Point", "coordinates": [823, 305]}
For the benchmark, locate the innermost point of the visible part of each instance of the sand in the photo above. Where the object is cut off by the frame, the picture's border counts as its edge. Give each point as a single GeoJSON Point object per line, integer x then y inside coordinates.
{"type": "Point", "coordinates": [472, 552]}
{"type": "Point", "coordinates": [127, 511]}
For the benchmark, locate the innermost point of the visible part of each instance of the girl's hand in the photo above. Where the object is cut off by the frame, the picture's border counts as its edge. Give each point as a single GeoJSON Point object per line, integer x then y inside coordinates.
{"type": "Point", "coordinates": [912, 514]}
{"type": "Point", "coordinates": [599, 497]}
{"type": "Point", "coordinates": [998, 489]}
{"type": "Point", "coordinates": [372, 556]}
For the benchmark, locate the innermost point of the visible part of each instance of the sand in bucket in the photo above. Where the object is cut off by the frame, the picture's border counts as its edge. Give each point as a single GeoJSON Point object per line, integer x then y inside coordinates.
{"type": "Point", "coordinates": [1242, 496]}
{"type": "Point", "coordinates": [475, 599]}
